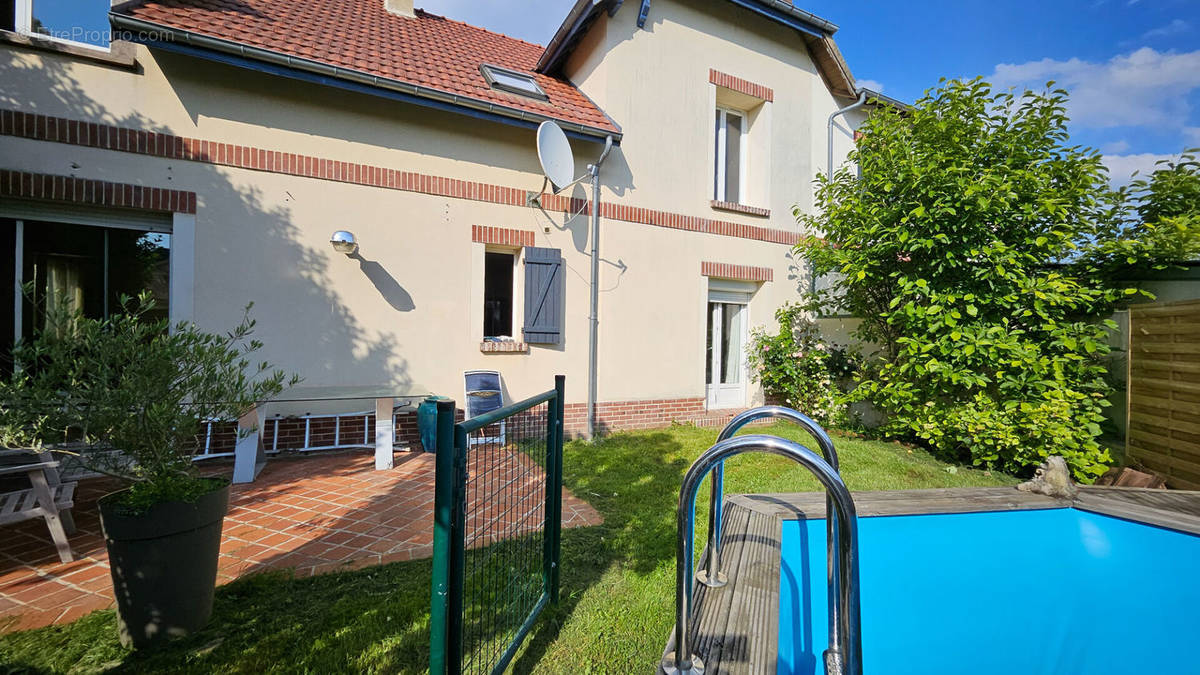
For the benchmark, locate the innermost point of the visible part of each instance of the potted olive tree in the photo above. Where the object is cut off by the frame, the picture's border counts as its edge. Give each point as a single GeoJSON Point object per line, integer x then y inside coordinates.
{"type": "Point", "coordinates": [127, 396]}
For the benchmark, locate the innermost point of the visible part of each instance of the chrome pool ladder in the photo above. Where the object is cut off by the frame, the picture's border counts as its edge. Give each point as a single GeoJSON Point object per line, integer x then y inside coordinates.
{"type": "Point", "coordinates": [844, 656]}
{"type": "Point", "coordinates": [711, 575]}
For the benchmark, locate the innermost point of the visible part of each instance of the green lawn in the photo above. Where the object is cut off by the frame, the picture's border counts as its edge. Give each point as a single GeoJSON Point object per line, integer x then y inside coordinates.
{"type": "Point", "coordinates": [617, 579]}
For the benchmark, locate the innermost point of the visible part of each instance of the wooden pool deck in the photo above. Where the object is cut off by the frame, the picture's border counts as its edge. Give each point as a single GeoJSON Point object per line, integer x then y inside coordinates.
{"type": "Point", "coordinates": [735, 629]}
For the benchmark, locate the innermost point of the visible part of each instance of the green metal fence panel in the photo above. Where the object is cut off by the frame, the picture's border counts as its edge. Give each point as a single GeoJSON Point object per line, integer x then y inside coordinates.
{"type": "Point", "coordinates": [443, 520]}
{"type": "Point", "coordinates": [497, 531]}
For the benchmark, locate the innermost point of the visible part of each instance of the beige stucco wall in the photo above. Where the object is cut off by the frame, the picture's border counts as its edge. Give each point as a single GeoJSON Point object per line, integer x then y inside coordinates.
{"type": "Point", "coordinates": [655, 82]}
{"type": "Point", "coordinates": [409, 316]}
{"type": "Point", "coordinates": [262, 237]}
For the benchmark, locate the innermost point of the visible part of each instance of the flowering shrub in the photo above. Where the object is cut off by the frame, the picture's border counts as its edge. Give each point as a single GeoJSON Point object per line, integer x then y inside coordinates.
{"type": "Point", "coordinates": [799, 369]}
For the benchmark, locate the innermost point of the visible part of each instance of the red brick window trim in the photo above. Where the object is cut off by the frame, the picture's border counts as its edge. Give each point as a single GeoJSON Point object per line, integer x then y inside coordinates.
{"type": "Point", "coordinates": [741, 208]}
{"type": "Point", "coordinates": [736, 272]}
{"type": "Point", "coordinates": [739, 85]}
{"type": "Point", "coordinates": [486, 234]}
{"type": "Point", "coordinates": [69, 189]}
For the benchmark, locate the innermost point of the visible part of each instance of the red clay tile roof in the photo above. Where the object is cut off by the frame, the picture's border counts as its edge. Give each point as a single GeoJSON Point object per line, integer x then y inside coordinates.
{"type": "Point", "coordinates": [361, 35]}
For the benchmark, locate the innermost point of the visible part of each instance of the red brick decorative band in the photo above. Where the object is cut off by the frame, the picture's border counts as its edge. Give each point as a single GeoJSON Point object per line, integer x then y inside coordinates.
{"type": "Point", "coordinates": [741, 208]}
{"type": "Point", "coordinates": [486, 234]}
{"type": "Point", "coordinates": [41, 186]}
{"type": "Point", "coordinates": [739, 85]}
{"type": "Point", "coordinates": [645, 414]}
{"type": "Point", "coordinates": [739, 272]}
{"type": "Point", "coordinates": [90, 134]}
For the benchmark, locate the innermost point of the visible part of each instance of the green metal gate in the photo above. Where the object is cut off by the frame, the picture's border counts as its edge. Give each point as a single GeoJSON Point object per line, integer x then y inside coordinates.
{"type": "Point", "coordinates": [497, 527]}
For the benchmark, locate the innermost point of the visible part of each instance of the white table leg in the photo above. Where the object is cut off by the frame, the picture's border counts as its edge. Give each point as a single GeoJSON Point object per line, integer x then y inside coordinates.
{"type": "Point", "coordinates": [249, 456]}
{"type": "Point", "coordinates": [384, 433]}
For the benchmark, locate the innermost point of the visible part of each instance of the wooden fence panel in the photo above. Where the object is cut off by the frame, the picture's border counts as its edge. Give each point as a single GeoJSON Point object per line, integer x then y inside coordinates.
{"type": "Point", "coordinates": [1164, 391]}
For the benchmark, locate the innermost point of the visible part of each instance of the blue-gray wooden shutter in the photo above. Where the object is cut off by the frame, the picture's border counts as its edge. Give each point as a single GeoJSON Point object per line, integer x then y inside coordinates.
{"type": "Point", "coordinates": [543, 296]}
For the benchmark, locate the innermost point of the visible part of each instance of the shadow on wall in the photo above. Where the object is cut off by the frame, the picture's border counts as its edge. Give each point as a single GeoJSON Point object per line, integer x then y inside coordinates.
{"type": "Point", "coordinates": [386, 284]}
{"type": "Point", "coordinates": [248, 248]}
{"type": "Point", "coordinates": [798, 272]}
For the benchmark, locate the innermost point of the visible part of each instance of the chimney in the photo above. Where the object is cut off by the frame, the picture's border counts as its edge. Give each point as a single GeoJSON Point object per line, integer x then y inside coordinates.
{"type": "Point", "coordinates": [399, 7]}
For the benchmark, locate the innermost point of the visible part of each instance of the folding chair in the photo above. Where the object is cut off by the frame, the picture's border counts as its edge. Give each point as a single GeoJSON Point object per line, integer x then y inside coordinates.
{"type": "Point", "coordinates": [483, 395]}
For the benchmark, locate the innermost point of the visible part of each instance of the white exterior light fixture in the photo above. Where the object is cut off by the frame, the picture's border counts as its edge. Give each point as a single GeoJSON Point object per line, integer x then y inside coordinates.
{"type": "Point", "coordinates": [343, 242]}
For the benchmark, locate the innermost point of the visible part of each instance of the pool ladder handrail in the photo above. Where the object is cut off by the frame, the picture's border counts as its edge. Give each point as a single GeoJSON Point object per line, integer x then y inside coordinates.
{"type": "Point", "coordinates": [844, 656]}
{"type": "Point", "coordinates": [712, 576]}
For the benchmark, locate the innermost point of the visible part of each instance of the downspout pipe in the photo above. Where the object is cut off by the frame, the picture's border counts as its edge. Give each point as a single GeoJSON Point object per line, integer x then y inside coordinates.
{"type": "Point", "coordinates": [858, 103]}
{"type": "Point", "coordinates": [594, 316]}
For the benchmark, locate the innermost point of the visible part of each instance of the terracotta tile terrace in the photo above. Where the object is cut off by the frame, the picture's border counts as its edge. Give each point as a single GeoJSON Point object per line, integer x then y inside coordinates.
{"type": "Point", "coordinates": [313, 514]}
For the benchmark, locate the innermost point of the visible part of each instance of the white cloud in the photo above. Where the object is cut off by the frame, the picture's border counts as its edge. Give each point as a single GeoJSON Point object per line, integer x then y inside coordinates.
{"type": "Point", "coordinates": [531, 21]}
{"type": "Point", "coordinates": [1143, 88]}
{"type": "Point", "coordinates": [1121, 167]}
{"type": "Point", "coordinates": [1174, 28]}
{"type": "Point", "coordinates": [1115, 147]}
{"type": "Point", "coordinates": [873, 85]}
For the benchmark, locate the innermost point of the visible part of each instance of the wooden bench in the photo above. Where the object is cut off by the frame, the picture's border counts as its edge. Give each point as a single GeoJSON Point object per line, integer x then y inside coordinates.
{"type": "Point", "coordinates": [48, 498]}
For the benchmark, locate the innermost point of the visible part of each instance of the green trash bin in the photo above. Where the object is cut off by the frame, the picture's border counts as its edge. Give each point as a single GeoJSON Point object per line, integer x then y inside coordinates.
{"type": "Point", "coordinates": [427, 421]}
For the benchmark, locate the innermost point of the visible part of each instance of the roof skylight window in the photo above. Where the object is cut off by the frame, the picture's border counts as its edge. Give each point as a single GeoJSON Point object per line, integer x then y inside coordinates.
{"type": "Point", "coordinates": [513, 82]}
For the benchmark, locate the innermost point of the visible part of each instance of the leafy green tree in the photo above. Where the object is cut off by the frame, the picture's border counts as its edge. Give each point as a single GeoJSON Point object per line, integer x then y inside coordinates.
{"type": "Point", "coordinates": [955, 247]}
{"type": "Point", "coordinates": [1161, 226]}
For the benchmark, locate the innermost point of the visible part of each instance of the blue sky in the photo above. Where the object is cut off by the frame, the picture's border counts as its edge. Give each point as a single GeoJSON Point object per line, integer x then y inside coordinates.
{"type": "Point", "coordinates": [1132, 66]}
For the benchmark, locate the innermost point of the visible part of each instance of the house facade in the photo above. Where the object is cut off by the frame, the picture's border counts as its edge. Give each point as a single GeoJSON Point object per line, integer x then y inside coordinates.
{"type": "Point", "coordinates": [209, 155]}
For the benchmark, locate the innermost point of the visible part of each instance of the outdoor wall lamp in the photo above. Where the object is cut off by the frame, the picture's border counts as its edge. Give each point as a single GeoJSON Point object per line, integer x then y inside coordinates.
{"type": "Point", "coordinates": [343, 242]}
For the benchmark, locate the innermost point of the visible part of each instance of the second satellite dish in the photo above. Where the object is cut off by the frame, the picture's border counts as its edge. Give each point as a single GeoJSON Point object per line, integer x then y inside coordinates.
{"type": "Point", "coordinates": [554, 152]}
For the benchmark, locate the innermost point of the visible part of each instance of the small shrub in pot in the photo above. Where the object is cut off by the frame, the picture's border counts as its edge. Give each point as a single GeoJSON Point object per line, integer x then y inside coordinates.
{"type": "Point", "coordinates": [126, 395]}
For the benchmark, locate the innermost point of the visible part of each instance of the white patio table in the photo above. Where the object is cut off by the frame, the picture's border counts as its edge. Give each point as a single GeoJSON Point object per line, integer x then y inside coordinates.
{"type": "Point", "coordinates": [250, 455]}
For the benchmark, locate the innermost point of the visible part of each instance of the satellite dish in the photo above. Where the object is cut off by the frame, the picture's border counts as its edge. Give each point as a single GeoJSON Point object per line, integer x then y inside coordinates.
{"type": "Point", "coordinates": [554, 152]}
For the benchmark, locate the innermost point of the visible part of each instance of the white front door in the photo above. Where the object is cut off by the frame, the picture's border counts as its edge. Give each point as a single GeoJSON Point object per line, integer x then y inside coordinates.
{"type": "Point", "coordinates": [725, 370]}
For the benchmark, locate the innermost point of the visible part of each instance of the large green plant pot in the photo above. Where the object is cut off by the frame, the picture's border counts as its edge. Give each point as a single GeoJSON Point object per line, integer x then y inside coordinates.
{"type": "Point", "coordinates": [164, 565]}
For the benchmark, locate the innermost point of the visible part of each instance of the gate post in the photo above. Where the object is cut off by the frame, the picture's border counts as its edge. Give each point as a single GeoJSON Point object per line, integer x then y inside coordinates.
{"type": "Point", "coordinates": [444, 504]}
{"type": "Point", "coordinates": [554, 483]}
{"type": "Point", "coordinates": [458, 552]}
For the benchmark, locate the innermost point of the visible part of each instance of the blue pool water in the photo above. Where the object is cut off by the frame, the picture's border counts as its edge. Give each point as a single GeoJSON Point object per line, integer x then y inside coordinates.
{"type": "Point", "coordinates": [1058, 591]}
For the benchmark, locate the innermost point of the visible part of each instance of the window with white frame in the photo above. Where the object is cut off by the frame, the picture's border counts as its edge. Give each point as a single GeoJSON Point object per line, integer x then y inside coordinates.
{"type": "Point", "coordinates": [77, 22]}
{"type": "Point", "coordinates": [730, 143]}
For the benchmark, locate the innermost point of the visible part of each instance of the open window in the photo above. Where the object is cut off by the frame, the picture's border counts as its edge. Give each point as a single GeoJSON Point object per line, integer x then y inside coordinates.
{"type": "Point", "coordinates": [528, 299]}
{"type": "Point", "coordinates": [498, 269]}
{"type": "Point", "coordinates": [82, 23]}
{"type": "Point", "coordinates": [730, 143]}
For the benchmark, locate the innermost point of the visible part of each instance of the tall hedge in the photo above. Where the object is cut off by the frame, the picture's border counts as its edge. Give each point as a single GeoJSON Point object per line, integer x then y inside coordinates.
{"type": "Point", "coordinates": [968, 243]}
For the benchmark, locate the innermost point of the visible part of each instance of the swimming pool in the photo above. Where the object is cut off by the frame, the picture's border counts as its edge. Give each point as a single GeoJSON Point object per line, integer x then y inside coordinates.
{"type": "Point", "coordinates": [1057, 591]}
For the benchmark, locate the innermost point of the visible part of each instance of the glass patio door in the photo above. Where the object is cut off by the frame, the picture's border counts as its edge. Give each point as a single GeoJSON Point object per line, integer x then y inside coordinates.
{"type": "Point", "coordinates": [75, 267]}
{"type": "Point", "coordinates": [725, 370]}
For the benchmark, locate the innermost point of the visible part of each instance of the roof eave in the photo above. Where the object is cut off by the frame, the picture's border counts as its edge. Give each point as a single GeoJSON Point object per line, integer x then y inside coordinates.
{"type": "Point", "coordinates": [581, 15]}
{"type": "Point", "coordinates": [832, 66]}
{"type": "Point", "coordinates": [324, 72]}
{"type": "Point", "coordinates": [878, 98]}
{"type": "Point", "coordinates": [584, 12]}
